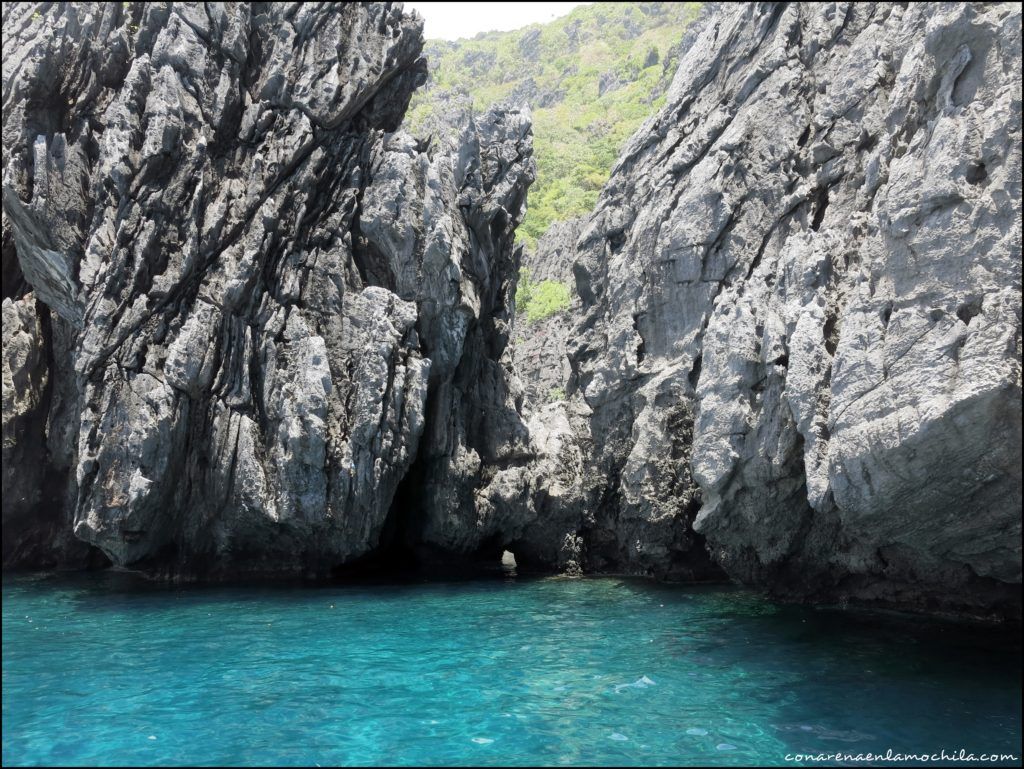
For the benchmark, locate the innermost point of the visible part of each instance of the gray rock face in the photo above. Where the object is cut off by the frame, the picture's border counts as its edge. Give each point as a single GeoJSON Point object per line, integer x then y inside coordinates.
{"type": "Point", "coordinates": [37, 529]}
{"type": "Point", "coordinates": [251, 328]}
{"type": "Point", "coordinates": [460, 270]}
{"type": "Point", "coordinates": [261, 301]}
{"type": "Point", "coordinates": [25, 391]}
{"type": "Point", "coordinates": [540, 357]}
{"type": "Point", "coordinates": [802, 309]}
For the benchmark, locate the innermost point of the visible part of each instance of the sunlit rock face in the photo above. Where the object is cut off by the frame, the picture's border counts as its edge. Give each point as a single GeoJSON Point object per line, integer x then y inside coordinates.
{"type": "Point", "coordinates": [540, 356]}
{"type": "Point", "coordinates": [249, 327]}
{"type": "Point", "coordinates": [801, 323]}
{"type": "Point", "coordinates": [258, 302]}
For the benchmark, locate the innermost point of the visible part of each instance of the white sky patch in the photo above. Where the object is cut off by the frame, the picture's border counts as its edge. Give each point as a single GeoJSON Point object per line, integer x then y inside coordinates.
{"type": "Point", "coordinates": [451, 21]}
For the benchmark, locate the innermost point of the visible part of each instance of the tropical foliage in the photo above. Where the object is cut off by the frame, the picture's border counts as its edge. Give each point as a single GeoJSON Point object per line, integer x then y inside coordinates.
{"type": "Point", "coordinates": [590, 77]}
{"type": "Point", "coordinates": [540, 300]}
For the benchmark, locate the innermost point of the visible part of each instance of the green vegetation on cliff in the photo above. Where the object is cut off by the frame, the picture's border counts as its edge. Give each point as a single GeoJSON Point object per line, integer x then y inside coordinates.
{"type": "Point", "coordinates": [590, 78]}
{"type": "Point", "coordinates": [540, 299]}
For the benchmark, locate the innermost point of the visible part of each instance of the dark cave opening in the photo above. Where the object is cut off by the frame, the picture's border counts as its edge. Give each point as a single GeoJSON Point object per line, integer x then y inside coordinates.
{"type": "Point", "coordinates": [395, 555]}
{"type": "Point", "coordinates": [969, 310]}
{"type": "Point", "coordinates": [820, 206]}
{"type": "Point", "coordinates": [976, 173]}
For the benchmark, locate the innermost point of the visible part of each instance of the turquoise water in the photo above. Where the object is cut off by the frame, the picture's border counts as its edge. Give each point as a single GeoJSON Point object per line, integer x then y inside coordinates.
{"type": "Point", "coordinates": [101, 670]}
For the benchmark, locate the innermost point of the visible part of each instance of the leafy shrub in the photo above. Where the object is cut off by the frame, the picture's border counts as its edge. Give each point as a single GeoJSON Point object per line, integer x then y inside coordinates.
{"type": "Point", "coordinates": [523, 291]}
{"type": "Point", "coordinates": [542, 299]}
{"type": "Point", "coordinates": [546, 299]}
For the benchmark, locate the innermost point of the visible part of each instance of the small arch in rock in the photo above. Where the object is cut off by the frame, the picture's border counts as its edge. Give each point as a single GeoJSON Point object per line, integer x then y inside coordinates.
{"type": "Point", "coordinates": [508, 560]}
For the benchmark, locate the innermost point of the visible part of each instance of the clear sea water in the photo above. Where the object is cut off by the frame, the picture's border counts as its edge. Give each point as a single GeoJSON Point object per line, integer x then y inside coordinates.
{"type": "Point", "coordinates": [103, 670]}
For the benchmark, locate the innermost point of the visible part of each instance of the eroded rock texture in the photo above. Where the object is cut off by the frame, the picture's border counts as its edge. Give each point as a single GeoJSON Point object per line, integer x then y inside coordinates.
{"type": "Point", "coordinates": [262, 303]}
{"type": "Point", "coordinates": [802, 328]}
{"type": "Point", "coordinates": [249, 327]}
{"type": "Point", "coordinates": [36, 523]}
{"type": "Point", "coordinates": [540, 357]}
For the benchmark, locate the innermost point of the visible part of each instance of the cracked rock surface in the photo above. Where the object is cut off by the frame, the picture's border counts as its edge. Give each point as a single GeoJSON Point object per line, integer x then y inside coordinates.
{"type": "Point", "coordinates": [250, 303]}
{"type": "Point", "coordinates": [250, 327]}
{"type": "Point", "coordinates": [801, 329]}
{"type": "Point", "coordinates": [539, 350]}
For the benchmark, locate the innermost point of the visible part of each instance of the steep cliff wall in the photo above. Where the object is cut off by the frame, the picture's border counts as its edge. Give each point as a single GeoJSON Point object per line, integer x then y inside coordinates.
{"type": "Point", "coordinates": [540, 357]}
{"type": "Point", "coordinates": [802, 309]}
{"type": "Point", "coordinates": [250, 304]}
{"type": "Point", "coordinates": [249, 328]}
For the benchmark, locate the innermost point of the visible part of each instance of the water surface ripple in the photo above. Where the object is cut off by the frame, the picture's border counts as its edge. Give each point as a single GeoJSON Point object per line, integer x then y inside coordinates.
{"type": "Point", "coordinates": [98, 670]}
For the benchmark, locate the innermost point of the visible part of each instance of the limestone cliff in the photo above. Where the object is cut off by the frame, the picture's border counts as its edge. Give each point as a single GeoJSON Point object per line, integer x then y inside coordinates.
{"type": "Point", "coordinates": [250, 303]}
{"type": "Point", "coordinates": [801, 329]}
{"type": "Point", "coordinates": [540, 356]}
{"type": "Point", "coordinates": [250, 327]}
